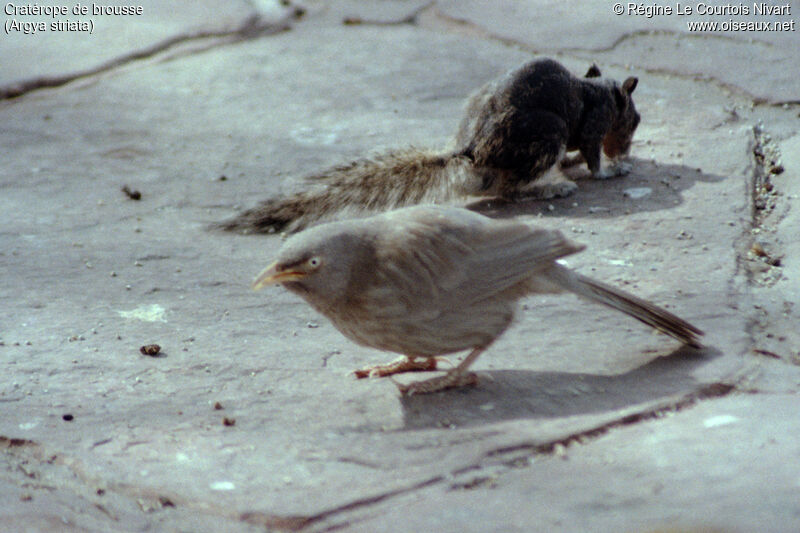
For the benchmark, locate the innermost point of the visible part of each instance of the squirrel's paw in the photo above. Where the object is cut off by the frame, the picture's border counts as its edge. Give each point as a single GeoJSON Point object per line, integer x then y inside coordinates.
{"type": "Point", "coordinates": [622, 167]}
{"type": "Point", "coordinates": [615, 169]}
{"type": "Point", "coordinates": [603, 174]}
{"type": "Point", "coordinates": [546, 191]}
{"type": "Point", "coordinates": [618, 168]}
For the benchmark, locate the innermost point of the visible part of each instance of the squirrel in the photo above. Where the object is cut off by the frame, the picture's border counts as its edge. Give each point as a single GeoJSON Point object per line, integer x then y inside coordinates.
{"type": "Point", "coordinates": [515, 129]}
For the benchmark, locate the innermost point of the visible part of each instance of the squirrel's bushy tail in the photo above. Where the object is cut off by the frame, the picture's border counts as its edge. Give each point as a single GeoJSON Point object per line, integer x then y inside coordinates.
{"type": "Point", "coordinates": [391, 180]}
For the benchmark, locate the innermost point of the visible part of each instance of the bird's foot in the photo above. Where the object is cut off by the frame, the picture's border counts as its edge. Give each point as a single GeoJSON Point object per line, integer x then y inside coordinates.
{"type": "Point", "coordinates": [451, 380]}
{"type": "Point", "coordinates": [398, 366]}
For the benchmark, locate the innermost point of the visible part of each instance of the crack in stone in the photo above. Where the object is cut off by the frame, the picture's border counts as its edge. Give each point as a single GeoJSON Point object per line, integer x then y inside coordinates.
{"type": "Point", "coordinates": [759, 252]}
{"type": "Point", "coordinates": [682, 35]}
{"type": "Point", "coordinates": [759, 255]}
{"type": "Point", "coordinates": [411, 19]}
{"type": "Point", "coordinates": [252, 27]}
{"type": "Point", "coordinates": [475, 29]}
{"type": "Point", "coordinates": [713, 390]}
{"type": "Point", "coordinates": [500, 461]}
{"type": "Point", "coordinates": [467, 27]}
{"type": "Point", "coordinates": [299, 523]}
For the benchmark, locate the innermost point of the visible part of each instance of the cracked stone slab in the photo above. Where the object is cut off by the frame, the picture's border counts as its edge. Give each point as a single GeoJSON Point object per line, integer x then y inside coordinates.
{"type": "Point", "coordinates": [52, 54]}
{"type": "Point", "coordinates": [93, 275]}
{"type": "Point", "coordinates": [650, 476]}
{"type": "Point", "coordinates": [759, 63]}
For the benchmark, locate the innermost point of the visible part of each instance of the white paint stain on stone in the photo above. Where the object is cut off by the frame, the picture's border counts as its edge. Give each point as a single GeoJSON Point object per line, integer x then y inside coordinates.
{"type": "Point", "coordinates": [637, 192]}
{"type": "Point", "coordinates": [146, 313]}
{"type": "Point", "coordinates": [719, 420]}
{"type": "Point", "coordinates": [620, 262]}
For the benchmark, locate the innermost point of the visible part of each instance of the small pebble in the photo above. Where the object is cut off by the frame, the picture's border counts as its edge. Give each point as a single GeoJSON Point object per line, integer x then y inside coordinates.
{"type": "Point", "coordinates": [150, 349]}
{"type": "Point", "coordinates": [222, 485]}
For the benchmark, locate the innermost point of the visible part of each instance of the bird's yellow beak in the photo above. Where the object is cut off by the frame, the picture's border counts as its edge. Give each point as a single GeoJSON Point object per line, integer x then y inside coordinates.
{"type": "Point", "coordinates": [271, 276]}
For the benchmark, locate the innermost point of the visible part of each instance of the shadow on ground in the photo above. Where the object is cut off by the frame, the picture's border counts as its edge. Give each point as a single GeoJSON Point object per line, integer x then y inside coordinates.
{"type": "Point", "coordinates": [515, 394]}
{"type": "Point", "coordinates": [661, 186]}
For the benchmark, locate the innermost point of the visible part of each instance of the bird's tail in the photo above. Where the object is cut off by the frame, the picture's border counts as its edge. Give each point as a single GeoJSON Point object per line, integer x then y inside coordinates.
{"type": "Point", "coordinates": [640, 309]}
{"type": "Point", "coordinates": [391, 180]}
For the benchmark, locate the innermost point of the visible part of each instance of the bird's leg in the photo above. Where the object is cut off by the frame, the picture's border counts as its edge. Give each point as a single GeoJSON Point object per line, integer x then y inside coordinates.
{"type": "Point", "coordinates": [456, 377]}
{"type": "Point", "coordinates": [408, 363]}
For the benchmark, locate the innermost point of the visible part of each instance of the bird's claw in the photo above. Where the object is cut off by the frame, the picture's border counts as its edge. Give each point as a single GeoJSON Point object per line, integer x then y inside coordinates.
{"type": "Point", "coordinates": [404, 364]}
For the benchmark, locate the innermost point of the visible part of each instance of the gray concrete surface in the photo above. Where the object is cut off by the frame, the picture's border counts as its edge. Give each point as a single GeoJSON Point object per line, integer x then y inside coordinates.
{"type": "Point", "coordinates": [583, 419]}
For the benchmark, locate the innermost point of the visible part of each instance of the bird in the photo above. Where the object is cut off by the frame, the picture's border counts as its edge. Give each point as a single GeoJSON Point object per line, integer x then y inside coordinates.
{"type": "Point", "coordinates": [428, 281]}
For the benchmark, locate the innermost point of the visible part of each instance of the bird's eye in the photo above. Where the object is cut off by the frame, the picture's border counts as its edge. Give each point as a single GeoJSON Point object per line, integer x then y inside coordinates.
{"type": "Point", "coordinates": [314, 262]}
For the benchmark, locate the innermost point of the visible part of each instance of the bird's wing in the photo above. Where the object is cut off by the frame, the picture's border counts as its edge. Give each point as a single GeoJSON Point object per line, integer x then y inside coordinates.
{"type": "Point", "coordinates": [451, 257]}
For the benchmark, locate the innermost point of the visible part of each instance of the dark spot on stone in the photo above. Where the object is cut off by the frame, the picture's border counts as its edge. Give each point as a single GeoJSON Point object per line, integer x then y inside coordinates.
{"type": "Point", "coordinates": [132, 194]}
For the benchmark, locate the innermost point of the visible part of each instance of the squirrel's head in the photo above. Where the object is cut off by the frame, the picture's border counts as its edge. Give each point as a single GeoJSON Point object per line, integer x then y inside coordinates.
{"type": "Point", "coordinates": [617, 142]}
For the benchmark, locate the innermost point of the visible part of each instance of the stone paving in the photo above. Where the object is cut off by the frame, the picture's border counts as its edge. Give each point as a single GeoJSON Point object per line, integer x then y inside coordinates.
{"type": "Point", "coordinates": [248, 419]}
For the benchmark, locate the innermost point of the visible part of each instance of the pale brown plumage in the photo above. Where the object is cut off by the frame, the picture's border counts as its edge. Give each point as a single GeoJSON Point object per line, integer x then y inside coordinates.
{"type": "Point", "coordinates": [427, 281]}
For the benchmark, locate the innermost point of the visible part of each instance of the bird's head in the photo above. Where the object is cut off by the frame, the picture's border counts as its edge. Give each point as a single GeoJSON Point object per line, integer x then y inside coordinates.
{"type": "Point", "coordinates": [320, 262]}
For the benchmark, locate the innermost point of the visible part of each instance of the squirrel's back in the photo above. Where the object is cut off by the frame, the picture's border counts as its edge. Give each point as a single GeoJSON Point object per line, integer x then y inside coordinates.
{"type": "Point", "coordinates": [524, 122]}
{"type": "Point", "coordinates": [540, 84]}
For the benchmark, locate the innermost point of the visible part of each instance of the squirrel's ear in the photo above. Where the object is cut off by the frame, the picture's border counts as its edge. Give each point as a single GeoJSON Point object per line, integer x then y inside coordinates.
{"type": "Point", "coordinates": [630, 84]}
{"type": "Point", "coordinates": [622, 97]}
{"type": "Point", "coordinates": [593, 72]}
